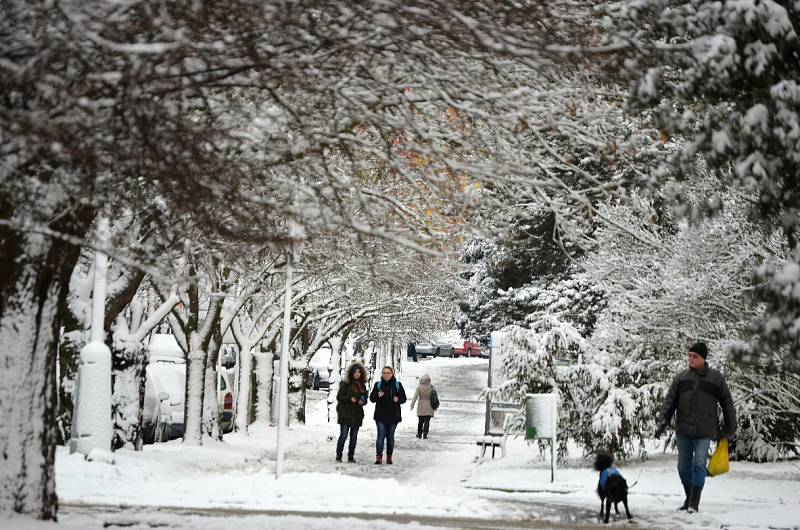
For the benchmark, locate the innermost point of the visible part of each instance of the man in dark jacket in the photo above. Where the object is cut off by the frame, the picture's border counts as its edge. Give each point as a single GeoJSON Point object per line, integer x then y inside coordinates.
{"type": "Point", "coordinates": [696, 394]}
{"type": "Point", "coordinates": [387, 394]}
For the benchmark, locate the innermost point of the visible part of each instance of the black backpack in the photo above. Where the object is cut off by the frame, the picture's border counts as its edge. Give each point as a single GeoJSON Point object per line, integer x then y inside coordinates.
{"type": "Point", "coordinates": [434, 399]}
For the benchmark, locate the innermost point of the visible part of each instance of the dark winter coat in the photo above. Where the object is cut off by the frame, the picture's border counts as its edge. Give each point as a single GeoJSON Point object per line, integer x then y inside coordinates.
{"type": "Point", "coordinates": [348, 412]}
{"type": "Point", "coordinates": [696, 395]}
{"type": "Point", "coordinates": [386, 410]}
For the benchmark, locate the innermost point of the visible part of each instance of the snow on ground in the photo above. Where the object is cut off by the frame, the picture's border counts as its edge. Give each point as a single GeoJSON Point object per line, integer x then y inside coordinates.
{"type": "Point", "coordinates": [749, 496]}
{"type": "Point", "coordinates": [240, 472]}
{"type": "Point", "coordinates": [438, 477]}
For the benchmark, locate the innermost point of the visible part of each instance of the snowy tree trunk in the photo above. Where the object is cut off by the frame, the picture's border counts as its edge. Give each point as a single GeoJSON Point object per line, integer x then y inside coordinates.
{"type": "Point", "coordinates": [243, 399]}
{"type": "Point", "coordinates": [211, 421]}
{"type": "Point", "coordinates": [297, 401]}
{"type": "Point", "coordinates": [201, 339]}
{"type": "Point", "coordinates": [275, 389]}
{"type": "Point", "coordinates": [129, 364]}
{"type": "Point", "coordinates": [68, 355]}
{"type": "Point", "coordinates": [195, 390]}
{"type": "Point", "coordinates": [297, 392]}
{"type": "Point", "coordinates": [127, 401]}
{"type": "Point", "coordinates": [335, 374]}
{"type": "Point", "coordinates": [211, 412]}
{"type": "Point", "coordinates": [33, 287]}
{"type": "Point", "coordinates": [264, 375]}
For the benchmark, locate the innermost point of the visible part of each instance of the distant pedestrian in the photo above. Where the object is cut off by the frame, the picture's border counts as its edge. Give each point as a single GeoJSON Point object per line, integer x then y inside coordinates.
{"type": "Point", "coordinates": [422, 398]}
{"type": "Point", "coordinates": [412, 351]}
{"type": "Point", "coordinates": [695, 394]}
{"type": "Point", "coordinates": [351, 398]}
{"type": "Point", "coordinates": [387, 394]}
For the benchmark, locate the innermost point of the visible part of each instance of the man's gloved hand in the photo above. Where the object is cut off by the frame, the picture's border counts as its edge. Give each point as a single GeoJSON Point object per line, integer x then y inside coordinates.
{"type": "Point", "coordinates": [661, 430]}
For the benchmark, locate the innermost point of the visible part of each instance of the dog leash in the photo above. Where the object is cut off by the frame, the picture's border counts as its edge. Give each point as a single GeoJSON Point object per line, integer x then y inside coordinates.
{"type": "Point", "coordinates": [641, 469]}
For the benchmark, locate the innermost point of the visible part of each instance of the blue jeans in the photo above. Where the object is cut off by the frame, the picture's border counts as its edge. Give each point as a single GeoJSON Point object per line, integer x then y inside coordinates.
{"type": "Point", "coordinates": [385, 430]}
{"type": "Point", "coordinates": [692, 460]}
{"type": "Point", "coordinates": [351, 449]}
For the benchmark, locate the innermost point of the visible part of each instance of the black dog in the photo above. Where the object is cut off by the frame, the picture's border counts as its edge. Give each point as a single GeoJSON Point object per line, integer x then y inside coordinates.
{"type": "Point", "coordinates": [611, 487]}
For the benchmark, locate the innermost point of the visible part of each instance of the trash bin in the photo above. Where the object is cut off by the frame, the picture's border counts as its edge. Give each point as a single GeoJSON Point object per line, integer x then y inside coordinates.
{"type": "Point", "coordinates": [541, 422]}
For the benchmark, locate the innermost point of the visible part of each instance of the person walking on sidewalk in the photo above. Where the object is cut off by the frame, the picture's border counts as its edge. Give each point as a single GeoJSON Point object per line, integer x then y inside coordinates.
{"type": "Point", "coordinates": [351, 398]}
{"type": "Point", "coordinates": [695, 394]}
{"type": "Point", "coordinates": [412, 351]}
{"type": "Point", "coordinates": [422, 398]}
{"type": "Point", "coordinates": [387, 394]}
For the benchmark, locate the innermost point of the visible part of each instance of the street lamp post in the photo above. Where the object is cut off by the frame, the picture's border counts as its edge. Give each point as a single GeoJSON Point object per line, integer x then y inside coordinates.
{"type": "Point", "coordinates": [283, 391]}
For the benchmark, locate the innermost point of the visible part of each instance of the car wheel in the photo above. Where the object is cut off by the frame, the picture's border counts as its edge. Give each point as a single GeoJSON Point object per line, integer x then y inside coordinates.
{"type": "Point", "coordinates": [149, 433]}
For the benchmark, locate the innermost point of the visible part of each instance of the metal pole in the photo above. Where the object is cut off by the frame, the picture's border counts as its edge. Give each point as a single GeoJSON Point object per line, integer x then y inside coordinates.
{"type": "Point", "coordinates": [283, 393]}
{"type": "Point", "coordinates": [554, 415]}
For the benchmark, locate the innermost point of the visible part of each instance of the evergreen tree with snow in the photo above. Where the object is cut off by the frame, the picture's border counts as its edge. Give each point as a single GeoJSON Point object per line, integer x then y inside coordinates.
{"type": "Point", "coordinates": [725, 76]}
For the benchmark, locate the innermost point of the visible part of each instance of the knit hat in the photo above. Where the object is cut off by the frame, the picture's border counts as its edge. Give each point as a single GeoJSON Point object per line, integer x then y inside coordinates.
{"type": "Point", "coordinates": [700, 349]}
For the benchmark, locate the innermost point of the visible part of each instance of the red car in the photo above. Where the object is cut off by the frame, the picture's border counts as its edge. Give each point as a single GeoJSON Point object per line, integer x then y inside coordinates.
{"type": "Point", "coordinates": [467, 349]}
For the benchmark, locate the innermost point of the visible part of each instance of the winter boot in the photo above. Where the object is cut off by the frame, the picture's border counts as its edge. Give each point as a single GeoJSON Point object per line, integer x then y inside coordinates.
{"type": "Point", "coordinates": [694, 499]}
{"type": "Point", "coordinates": [685, 505]}
{"type": "Point", "coordinates": [339, 458]}
{"type": "Point", "coordinates": [388, 459]}
{"type": "Point", "coordinates": [419, 435]}
{"type": "Point", "coordinates": [425, 435]}
{"type": "Point", "coordinates": [350, 459]}
{"type": "Point", "coordinates": [379, 459]}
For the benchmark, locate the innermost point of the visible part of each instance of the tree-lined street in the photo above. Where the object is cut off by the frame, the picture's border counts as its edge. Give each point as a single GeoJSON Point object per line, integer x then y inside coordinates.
{"type": "Point", "coordinates": [210, 211]}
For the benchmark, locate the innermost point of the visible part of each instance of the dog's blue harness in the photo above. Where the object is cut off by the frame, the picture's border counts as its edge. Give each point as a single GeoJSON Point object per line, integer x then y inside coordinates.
{"type": "Point", "coordinates": [604, 474]}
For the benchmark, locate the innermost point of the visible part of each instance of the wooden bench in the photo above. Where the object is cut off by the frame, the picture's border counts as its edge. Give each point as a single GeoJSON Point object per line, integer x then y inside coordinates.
{"type": "Point", "coordinates": [500, 414]}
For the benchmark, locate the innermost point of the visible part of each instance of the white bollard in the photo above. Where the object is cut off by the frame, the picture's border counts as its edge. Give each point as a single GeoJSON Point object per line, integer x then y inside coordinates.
{"type": "Point", "coordinates": [91, 426]}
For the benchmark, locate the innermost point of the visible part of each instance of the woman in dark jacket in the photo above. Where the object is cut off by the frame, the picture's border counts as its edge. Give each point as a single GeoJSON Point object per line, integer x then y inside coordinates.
{"type": "Point", "coordinates": [351, 398]}
{"type": "Point", "coordinates": [387, 394]}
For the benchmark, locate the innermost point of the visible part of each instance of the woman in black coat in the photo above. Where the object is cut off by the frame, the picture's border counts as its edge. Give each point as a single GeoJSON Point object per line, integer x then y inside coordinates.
{"type": "Point", "coordinates": [350, 401]}
{"type": "Point", "coordinates": [387, 394]}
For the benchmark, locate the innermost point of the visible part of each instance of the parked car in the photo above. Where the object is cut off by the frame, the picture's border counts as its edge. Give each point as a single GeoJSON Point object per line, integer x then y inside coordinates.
{"type": "Point", "coordinates": [156, 415]}
{"type": "Point", "coordinates": [319, 370]}
{"type": "Point", "coordinates": [433, 349]}
{"type": "Point", "coordinates": [466, 348]}
{"type": "Point", "coordinates": [165, 388]}
{"type": "Point", "coordinates": [166, 369]}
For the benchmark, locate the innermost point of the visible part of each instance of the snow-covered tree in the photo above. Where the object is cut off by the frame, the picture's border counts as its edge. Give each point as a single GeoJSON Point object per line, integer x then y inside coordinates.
{"type": "Point", "coordinates": [724, 75]}
{"type": "Point", "coordinates": [227, 120]}
{"type": "Point", "coordinates": [669, 282]}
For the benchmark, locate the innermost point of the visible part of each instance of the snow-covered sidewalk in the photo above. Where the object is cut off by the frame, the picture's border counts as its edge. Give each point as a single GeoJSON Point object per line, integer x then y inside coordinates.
{"type": "Point", "coordinates": [438, 477]}
{"type": "Point", "coordinates": [427, 478]}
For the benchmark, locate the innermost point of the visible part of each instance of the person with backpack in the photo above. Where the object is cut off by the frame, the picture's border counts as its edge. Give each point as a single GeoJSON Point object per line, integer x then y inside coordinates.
{"type": "Point", "coordinates": [388, 395]}
{"type": "Point", "coordinates": [350, 401]}
{"type": "Point", "coordinates": [426, 404]}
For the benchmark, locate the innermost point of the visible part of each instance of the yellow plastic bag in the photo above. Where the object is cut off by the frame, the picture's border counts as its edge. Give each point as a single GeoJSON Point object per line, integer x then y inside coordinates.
{"type": "Point", "coordinates": [719, 460]}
